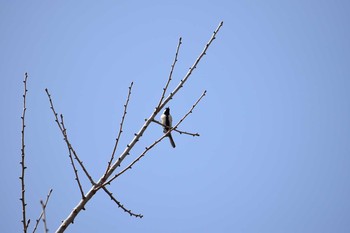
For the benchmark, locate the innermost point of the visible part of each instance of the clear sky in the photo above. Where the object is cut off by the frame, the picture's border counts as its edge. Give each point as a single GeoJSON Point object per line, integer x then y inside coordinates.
{"type": "Point", "coordinates": [273, 155]}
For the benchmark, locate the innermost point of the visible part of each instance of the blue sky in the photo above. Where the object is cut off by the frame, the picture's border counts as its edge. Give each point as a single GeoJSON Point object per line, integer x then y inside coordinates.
{"type": "Point", "coordinates": [273, 155]}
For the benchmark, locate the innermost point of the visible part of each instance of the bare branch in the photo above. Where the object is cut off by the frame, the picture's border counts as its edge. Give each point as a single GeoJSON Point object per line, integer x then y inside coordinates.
{"type": "Point", "coordinates": [171, 72]}
{"type": "Point", "coordinates": [120, 129]}
{"type": "Point", "coordinates": [70, 218]}
{"type": "Point", "coordinates": [70, 149]}
{"type": "Point", "coordinates": [42, 212]}
{"type": "Point", "coordinates": [22, 199]}
{"type": "Point", "coordinates": [194, 66]}
{"type": "Point", "coordinates": [92, 182]}
{"type": "Point", "coordinates": [179, 131]}
{"type": "Point", "coordinates": [44, 216]}
{"type": "Point", "coordinates": [156, 111]}
{"type": "Point", "coordinates": [80, 163]}
{"type": "Point", "coordinates": [136, 160]}
{"type": "Point", "coordinates": [71, 157]}
{"type": "Point", "coordinates": [189, 112]}
{"type": "Point", "coordinates": [53, 110]}
{"type": "Point", "coordinates": [120, 205]}
{"type": "Point", "coordinates": [156, 142]}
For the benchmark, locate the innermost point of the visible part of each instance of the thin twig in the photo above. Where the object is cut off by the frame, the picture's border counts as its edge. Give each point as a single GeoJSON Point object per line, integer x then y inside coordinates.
{"type": "Point", "coordinates": [65, 137]}
{"type": "Point", "coordinates": [22, 199]}
{"type": "Point", "coordinates": [179, 131]}
{"type": "Point", "coordinates": [70, 218]}
{"type": "Point", "coordinates": [80, 163]}
{"type": "Point", "coordinates": [120, 205]}
{"type": "Point", "coordinates": [171, 72]}
{"type": "Point", "coordinates": [136, 160]}
{"type": "Point", "coordinates": [189, 112]}
{"type": "Point", "coordinates": [44, 216]}
{"type": "Point", "coordinates": [71, 150]}
{"type": "Point", "coordinates": [194, 66]}
{"type": "Point", "coordinates": [71, 157]}
{"type": "Point", "coordinates": [42, 212]}
{"type": "Point", "coordinates": [120, 129]}
{"type": "Point", "coordinates": [156, 142]}
{"type": "Point", "coordinates": [89, 177]}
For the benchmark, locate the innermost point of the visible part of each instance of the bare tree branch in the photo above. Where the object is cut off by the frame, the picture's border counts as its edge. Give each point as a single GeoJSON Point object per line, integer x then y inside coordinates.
{"type": "Point", "coordinates": [44, 216]}
{"type": "Point", "coordinates": [194, 66]}
{"type": "Point", "coordinates": [156, 142]}
{"type": "Point", "coordinates": [179, 131]}
{"type": "Point", "coordinates": [42, 212]}
{"type": "Point", "coordinates": [76, 157]}
{"type": "Point", "coordinates": [156, 111]}
{"type": "Point", "coordinates": [70, 218]}
{"type": "Point", "coordinates": [70, 149]}
{"type": "Point", "coordinates": [135, 161]}
{"type": "Point", "coordinates": [189, 112]}
{"type": "Point", "coordinates": [120, 129]}
{"type": "Point", "coordinates": [22, 199]}
{"type": "Point", "coordinates": [120, 205]}
{"type": "Point", "coordinates": [71, 157]}
{"type": "Point", "coordinates": [171, 72]}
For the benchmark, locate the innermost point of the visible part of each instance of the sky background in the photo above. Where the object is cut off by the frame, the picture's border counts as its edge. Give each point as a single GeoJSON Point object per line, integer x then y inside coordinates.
{"type": "Point", "coordinates": [273, 155]}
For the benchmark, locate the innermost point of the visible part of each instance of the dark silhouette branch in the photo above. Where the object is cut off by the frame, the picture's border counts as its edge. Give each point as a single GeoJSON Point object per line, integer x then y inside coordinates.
{"type": "Point", "coordinates": [22, 199]}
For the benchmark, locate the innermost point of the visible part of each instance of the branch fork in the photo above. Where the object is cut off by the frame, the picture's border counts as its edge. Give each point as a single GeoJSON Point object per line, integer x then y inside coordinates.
{"type": "Point", "coordinates": [110, 173]}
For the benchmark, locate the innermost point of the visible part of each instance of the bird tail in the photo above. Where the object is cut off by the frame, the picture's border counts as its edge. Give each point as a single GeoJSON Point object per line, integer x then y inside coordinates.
{"type": "Point", "coordinates": [171, 140]}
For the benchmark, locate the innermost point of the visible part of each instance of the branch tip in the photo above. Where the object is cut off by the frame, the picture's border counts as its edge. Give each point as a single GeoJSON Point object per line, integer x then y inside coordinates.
{"type": "Point", "coordinates": [120, 130]}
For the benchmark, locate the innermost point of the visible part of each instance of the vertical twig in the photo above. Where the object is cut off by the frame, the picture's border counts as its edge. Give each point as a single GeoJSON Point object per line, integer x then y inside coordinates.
{"type": "Point", "coordinates": [120, 129]}
{"type": "Point", "coordinates": [171, 72]}
{"type": "Point", "coordinates": [24, 219]}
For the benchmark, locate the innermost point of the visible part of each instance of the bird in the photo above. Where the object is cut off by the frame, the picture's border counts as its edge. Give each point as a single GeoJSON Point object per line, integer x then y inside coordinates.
{"type": "Point", "coordinates": [167, 120]}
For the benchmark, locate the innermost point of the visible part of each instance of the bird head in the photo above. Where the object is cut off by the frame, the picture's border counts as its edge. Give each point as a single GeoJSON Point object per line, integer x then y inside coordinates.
{"type": "Point", "coordinates": [167, 110]}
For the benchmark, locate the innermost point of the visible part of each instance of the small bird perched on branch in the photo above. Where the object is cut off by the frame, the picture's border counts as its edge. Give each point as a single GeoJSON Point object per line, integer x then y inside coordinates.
{"type": "Point", "coordinates": [167, 121]}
